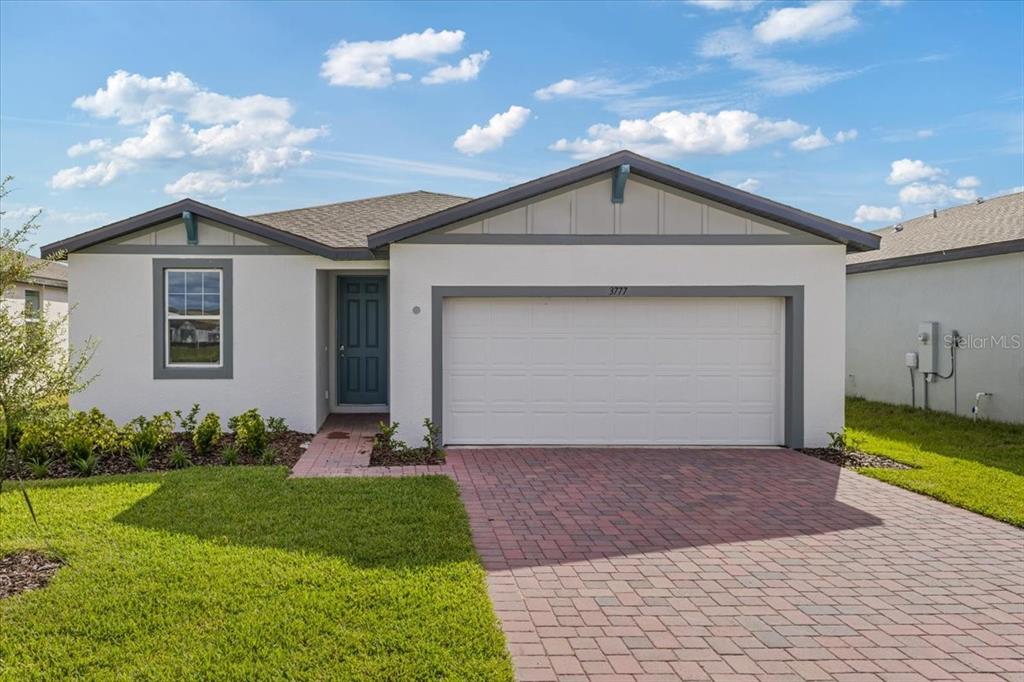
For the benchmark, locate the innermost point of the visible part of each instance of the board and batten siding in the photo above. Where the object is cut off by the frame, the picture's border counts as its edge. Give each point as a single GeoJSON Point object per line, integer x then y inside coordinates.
{"type": "Point", "coordinates": [648, 209]}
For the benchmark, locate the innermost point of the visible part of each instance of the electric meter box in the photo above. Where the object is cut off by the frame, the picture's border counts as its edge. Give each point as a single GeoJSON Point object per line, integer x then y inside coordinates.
{"type": "Point", "coordinates": [928, 347]}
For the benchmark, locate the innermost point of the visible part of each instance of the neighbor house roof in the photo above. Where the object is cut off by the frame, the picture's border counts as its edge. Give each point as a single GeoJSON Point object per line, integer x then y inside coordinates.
{"type": "Point", "coordinates": [988, 227]}
{"type": "Point", "coordinates": [352, 229]}
{"type": "Point", "coordinates": [49, 273]}
{"type": "Point", "coordinates": [349, 223]}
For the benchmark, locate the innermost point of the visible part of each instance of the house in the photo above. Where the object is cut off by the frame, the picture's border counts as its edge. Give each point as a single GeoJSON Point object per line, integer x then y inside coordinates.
{"type": "Point", "coordinates": [621, 301]}
{"type": "Point", "coordinates": [44, 295]}
{"type": "Point", "coordinates": [948, 289]}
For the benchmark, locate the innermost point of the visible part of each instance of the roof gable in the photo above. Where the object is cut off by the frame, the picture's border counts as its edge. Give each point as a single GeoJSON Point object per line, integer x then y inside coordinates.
{"type": "Point", "coordinates": [856, 240]}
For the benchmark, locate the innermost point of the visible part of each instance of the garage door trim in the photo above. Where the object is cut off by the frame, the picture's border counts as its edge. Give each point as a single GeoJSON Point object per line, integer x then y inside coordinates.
{"type": "Point", "coordinates": [793, 370]}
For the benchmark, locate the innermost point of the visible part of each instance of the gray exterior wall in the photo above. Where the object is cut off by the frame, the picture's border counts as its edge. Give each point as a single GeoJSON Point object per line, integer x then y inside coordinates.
{"type": "Point", "coordinates": [979, 297]}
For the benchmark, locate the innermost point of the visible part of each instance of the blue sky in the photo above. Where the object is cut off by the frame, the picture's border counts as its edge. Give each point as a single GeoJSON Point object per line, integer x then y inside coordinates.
{"type": "Point", "coordinates": [864, 112]}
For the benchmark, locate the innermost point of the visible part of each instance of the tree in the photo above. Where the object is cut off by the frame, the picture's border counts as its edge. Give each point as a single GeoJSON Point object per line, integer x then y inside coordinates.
{"type": "Point", "coordinates": [37, 370]}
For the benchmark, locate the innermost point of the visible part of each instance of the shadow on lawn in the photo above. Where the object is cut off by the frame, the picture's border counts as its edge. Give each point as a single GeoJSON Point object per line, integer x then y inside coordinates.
{"type": "Point", "coordinates": [385, 523]}
{"type": "Point", "coordinates": [993, 444]}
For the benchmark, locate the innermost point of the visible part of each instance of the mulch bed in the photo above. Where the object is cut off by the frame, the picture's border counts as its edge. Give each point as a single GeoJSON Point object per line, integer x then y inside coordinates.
{"type": "Point", "coordinates": [854, 459]}
{"type": "Point", "coordinates": [414, 457]}
{"type": "Point", "coordinates": [25, 570]}
{"type": "Point", "coordinates": [289, 446]}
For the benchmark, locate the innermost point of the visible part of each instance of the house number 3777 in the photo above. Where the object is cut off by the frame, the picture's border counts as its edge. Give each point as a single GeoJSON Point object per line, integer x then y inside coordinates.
{"type": "Point", "coordinates": [617, 291]}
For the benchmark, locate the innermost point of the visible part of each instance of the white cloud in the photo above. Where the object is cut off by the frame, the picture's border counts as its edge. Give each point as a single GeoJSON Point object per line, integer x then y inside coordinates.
{"type": "Point", "coordinates": [813, 21]}
{"type": "Point", "coordinates": [936, 194]}
{"type": "Point", "coordinates": [480, 139]}
{"type": "Point", "coordinates": [367, 63]}
{"type": "Point", "coordinates": [100, 174]}
{"type": "Point", "coordinates": [204, 183]}
{"type": "Point", "coordinates": [907, 170]}
{"type": "Point", "coordinates": [771, 75]}
{"type": "Point", "coordinates": [872, 214]}
{"type": "Point", "coordinates": [749, 185]}
{"type": "Point", "coordinates": [811, 142]}
{"type": "Point", "coordinates": [467, 69]}
{"type": "Point", "coordinates": [53, 217]}
{"type": "Point", "coordinates": [591, 87]}
{"type": "Point", "coordinates": [968, 182]}
{"type": "Point", "coordinates": [407, 166]}
{"type": "Point", "coordinates": [85, 148]}
{"type": "Point", "coordinates": [719, 5]}
{"type": "Point", "coordinates": [925, 133]}
{"type": "Point", "coordinates": [672, 133]}
{"type": "Point", "coordinates": [846, 135]}
{"type": "Point", "coordinates": [247, 140]}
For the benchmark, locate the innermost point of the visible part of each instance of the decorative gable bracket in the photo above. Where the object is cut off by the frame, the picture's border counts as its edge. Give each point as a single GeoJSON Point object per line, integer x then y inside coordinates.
{"type": "Point", "coordinates": [191, 227]}
{"type": "Point", "coordinates": [619, 183]}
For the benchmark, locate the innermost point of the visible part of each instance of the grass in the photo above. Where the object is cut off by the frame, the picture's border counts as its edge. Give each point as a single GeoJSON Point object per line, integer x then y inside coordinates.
{"type": "Point", "coordinates": [241, 573]}
{"type": "Point", "coordinates": [974, 465]}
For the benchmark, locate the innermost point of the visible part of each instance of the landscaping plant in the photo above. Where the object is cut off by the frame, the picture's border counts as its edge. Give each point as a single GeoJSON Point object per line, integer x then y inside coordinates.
{"type": "Point", "coordinates": [187, 421]}
{"type": "Point", "coordinates": [179, 457]}
{"type": "Point", "coordinates": [141, 458]}
{"type": "Point", "coordinates": [229, 455]}
{"type": "Point", "coordinates": [207, 434]}
{"type": "Point", "coordinates": [276, 426]}
{"type": "Point", "coordinates": [267, 455]}
{"type": "Point", "coordinates": [250, 431]}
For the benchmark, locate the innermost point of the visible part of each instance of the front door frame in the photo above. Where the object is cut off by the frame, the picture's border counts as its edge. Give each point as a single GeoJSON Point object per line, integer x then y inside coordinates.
{"type": "Point", "coordinates": [339, 403]}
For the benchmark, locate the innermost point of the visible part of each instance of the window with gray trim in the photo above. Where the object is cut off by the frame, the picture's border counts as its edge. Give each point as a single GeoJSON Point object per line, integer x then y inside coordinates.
{"type": "Point", "coordinates": [192, 318]}
{"type": "Point", "coordinates": [33, 304]}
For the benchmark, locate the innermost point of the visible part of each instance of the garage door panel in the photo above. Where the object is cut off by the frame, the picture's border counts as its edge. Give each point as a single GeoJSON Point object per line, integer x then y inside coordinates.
{"type": "Point", "coordinates": [611, 370]}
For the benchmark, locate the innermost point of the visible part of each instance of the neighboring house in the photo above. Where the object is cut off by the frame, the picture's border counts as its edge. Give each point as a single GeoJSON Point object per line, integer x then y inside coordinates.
{"type": "Point", "coordinates": [619, 301]}
{"type": "Point", "coordinates": [962, 269]}
{"type": "Point", "coordinates": [45, 294]}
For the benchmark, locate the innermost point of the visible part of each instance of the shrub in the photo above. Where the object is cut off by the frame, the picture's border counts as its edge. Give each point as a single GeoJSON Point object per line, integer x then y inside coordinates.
{"type": "Point", "coordinates": [432, 441]}
{"type": "Point", "coordinates": [141, 458]}
{"type": "Point", "coordinates": [276, 426]}
{"type": "Point", "coordinates": [268, 455]}
{"type": "Point", "coordinates": [39, 468]}
{"type": "Point", "coordinates": [96, 428]}
{"type": "Point", "coordinates": [86, 463]}
{"type": "Point", "coordinates": [188, 420]}
{"type": "Point", "coordinates": [78, 446]}
{"type": "Point", "coordinates": [179, 457]}
{"type": "Point", "coordinates": [207, 434]}
{"type": "Point", "coordinates": [250, 431]}
{"type": "Point", "coordinates": [229, 455]}
{"type": "Point", "coordinates": [146, 435]}
{"type": "Point", "coordinates": [384, 440]}
{"type": "Point", "coordinates": [35, 443]}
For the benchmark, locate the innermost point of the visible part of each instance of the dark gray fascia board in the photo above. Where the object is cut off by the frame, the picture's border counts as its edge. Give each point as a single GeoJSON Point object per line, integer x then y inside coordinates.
{"type": "Point", "coordinates": [854, 239]}
{"type": "Point", "coordinates": [171, 211]}
{"type": "Point", "coordinates": [979, 251]}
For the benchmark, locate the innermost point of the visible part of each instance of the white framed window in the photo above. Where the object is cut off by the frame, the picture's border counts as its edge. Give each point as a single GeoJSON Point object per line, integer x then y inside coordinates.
{"type": "Point", "coordinates": [193, 317]}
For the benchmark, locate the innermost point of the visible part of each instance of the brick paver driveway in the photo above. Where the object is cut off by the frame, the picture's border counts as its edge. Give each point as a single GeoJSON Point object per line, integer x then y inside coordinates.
{"type": "Point", "coordinates": [736, 564]}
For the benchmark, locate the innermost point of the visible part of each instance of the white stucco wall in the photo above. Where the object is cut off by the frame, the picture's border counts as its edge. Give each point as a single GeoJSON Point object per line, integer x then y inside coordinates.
{"type": "Point", "coordinates": [979, 297]}
{"type": "Point", "coordinates": [274, 330]}
{"type": "Point", "coordinates": [415, 268]}
{"type": "Point", "coordinates": [54, 300]}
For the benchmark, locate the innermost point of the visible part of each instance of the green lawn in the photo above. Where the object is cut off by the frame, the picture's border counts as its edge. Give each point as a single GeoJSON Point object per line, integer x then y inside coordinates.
{"type": "Point", "coordinates": [974, 465]}
{"type": "Point", "coordinates": [240, 573]}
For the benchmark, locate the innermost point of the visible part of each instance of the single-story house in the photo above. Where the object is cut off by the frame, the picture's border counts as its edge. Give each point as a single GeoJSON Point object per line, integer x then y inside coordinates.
{"type": "Point", "coordinates": [43, 296]}
{"type": "Point", "coordinates": [621, 301]}
{"type": "Point", "coordinates": [935, 317]}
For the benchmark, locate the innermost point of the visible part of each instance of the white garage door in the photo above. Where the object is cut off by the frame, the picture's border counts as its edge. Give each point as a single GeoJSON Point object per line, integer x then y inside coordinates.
{"type": "Point", "coordinates": [613, 370]}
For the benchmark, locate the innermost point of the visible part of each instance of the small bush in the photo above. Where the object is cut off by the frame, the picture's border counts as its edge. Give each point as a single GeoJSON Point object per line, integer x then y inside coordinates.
{"type": "Point", "coordinates": [385, 441]}
{"type": "Point", "coordinates": [250, 431]}
{"type": "Point", "coordinates": [187, 421]}
{"type": "Point", "coordinates": [78, 447]}
{"type": "Point", "coordinates": [276, 426]}
{"type": "Point", "coordinates": [229, 455]}
{"type": "Point", "coordinates": [35, 444]}
{"type": "Point", "coordinates": [207, 434]}
{"type": "Point", "coordinates": [39, 468]}
{"type": "Point", "coordinates": [141, 458]}
{"type": "Point", "coordinates": [432, 440]}
{"type": "Point", "coordinates": [179, 457]}
{"type": "Point", "coordinates": [143, 435]}
{"type": "Point", "coordinates": [268, 455]}
{"type": "Point", "coordinates": [86, 464]}
{"type": "Point", "coordinates": [93, 427]}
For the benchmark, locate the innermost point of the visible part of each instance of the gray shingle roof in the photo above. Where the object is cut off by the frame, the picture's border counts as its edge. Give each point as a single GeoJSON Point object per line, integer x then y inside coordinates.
{"type": "Point", "coordinates": [51, 272]}
{"type": "Point", "coordinates": [992, 221]}
{"type": "Point", "coordinates": [347, 224]}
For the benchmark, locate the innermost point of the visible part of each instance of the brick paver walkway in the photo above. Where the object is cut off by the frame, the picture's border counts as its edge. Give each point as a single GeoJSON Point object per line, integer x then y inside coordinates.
{"type": "Point", "coordinates": [615, 564]}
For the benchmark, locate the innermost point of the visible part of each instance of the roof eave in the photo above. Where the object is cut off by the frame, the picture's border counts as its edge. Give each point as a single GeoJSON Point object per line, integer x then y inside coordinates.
{"type": "Point", "coordinates": [963, 253]}
{"type": "Point", "coordinates": [854, 239]}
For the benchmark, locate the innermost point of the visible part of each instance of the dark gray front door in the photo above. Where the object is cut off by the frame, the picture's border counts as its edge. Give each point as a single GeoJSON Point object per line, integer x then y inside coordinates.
{"type": "Point", "coordinates": [362, 340]}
